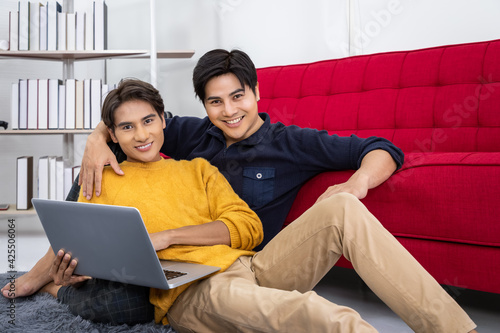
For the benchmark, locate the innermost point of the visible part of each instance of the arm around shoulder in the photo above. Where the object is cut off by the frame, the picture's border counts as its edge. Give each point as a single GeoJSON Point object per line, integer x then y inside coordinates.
{"type": "Point", "coordinates": [96, 155]}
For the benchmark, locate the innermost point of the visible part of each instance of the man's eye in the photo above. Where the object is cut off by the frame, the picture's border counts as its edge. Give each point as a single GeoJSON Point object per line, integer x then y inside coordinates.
{"type": "Point", "coordinates": [126, 127]}
{"type": "Point", "coordinates": [238, 96]}
{"type": "Point", "coordinates": [147, 121]}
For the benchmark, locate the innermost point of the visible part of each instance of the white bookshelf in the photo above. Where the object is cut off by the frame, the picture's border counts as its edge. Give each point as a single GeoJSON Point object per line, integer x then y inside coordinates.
{"type": "Point", "coordinates": [68, 59]}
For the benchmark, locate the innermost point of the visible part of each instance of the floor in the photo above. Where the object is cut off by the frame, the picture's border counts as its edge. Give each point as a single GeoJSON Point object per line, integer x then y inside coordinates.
{"type": "Point", "coordinates": [341, 286]}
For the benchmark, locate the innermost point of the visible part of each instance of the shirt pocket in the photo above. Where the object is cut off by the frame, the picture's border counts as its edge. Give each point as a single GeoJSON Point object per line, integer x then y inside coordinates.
{"type": "Point", "coordinates": [258, 185]}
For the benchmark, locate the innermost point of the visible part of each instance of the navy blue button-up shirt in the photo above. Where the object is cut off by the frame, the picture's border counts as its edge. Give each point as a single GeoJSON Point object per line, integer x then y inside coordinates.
{"type": "Point", "coordinates": [268, 168]}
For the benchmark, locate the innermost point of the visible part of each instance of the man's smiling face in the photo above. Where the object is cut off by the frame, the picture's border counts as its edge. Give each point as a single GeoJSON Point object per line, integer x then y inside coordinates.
{"type": "Point", "coordinates": [232, 108]}
{"type": "Point", "coordinates": [139, 131]}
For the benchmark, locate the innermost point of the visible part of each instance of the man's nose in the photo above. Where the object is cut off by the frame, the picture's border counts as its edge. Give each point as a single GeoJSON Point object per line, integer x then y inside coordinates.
{"type": "Point", "coordinates": [141, 134]}
{"type": "Point", "coordinates": [230, 109]}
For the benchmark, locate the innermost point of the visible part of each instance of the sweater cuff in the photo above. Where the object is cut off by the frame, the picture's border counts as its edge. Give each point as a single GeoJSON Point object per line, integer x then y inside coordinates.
{"type": "Point", "coordinates": [233, 233]}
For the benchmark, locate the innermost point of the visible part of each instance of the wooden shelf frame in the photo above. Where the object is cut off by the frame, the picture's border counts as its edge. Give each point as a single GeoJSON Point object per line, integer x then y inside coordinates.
{"type": "Point", "coordinates": [13, 212]}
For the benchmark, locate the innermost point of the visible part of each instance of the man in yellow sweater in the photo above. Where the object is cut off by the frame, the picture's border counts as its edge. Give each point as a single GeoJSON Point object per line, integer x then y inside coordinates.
{"type": "Point", "coordinates": [189, 209]}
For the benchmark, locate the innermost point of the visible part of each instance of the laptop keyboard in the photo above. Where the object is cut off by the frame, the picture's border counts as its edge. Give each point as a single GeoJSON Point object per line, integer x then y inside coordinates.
{"type": "Point", "coordinates": [172, 274]}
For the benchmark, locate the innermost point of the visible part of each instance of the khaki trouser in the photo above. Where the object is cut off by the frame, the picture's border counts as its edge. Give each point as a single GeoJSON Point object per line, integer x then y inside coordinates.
{"type": "Point", "coordinates": [271, 292]}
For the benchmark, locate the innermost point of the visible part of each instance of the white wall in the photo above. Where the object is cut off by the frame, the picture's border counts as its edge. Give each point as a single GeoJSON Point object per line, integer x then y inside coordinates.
{"type": "Point", "coordinates": [386, 25]}
{"type": "Point", "coordinates": [272, 32]}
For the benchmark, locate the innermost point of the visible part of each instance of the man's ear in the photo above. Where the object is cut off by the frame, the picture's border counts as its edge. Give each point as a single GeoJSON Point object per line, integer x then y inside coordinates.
{"type": "Point", "coordinates": [163, 121]}
{"type": "Point", "coordinates": [112, 135]}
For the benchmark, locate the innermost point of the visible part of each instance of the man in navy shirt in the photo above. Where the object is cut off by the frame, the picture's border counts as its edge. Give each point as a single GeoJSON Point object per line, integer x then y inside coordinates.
{"type": "Point", "coordinates": [267, 164]}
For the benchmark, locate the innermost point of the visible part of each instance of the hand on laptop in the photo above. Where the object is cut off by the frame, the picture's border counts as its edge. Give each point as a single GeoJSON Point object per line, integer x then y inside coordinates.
{"type": "Point", "coordinates": [159, 240]}
{"type": "Point", "coordinates": [62, 271]}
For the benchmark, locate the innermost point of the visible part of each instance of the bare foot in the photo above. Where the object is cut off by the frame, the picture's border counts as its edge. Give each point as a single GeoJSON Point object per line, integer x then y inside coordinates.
{"type": "Point", "coordinates": [31, 282]}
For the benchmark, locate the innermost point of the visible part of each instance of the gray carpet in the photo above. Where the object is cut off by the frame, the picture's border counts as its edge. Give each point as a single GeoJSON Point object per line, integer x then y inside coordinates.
{"type": "Point", "coordinates": [43, 313]}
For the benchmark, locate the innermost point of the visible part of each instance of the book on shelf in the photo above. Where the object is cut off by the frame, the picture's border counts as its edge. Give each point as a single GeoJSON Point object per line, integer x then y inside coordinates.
{"type": "Point", "coordinates": [106, 88]}
{"type": "Point", "coordinates": [60, 190]}
{"type": "Point", "coordinates": [24, 182]}
{"type": "Point", "coordinates": [79, 104]}
{"type": "Point", "coordinates": [89, 29]}
{"type": "Point", "coordinates": [68, 180]}
{"type": "Point", "coordinates": [53, 8]}
{"type": "Point", "coordinates": [70, 174]}
{"type": "Point", "coordinates": [32, 103]}
{"type": "Point", "coordinates": [53, 103]}
{"type": "Point", "coordinates": [80, 30]}
{"type": "Point", "coordinates": [70, 103]}
{"type": "Point", "coordinates": [24, 25]}
{"type": "Point", "coordinates": [61, 31]}
{"type": "Point", "coordinates": [52, 177]}
{"type": "Point", "coordinates": [95, 102]}
{"type": "Point", "coordinates": [100, 25]}
{"type": "Point", "coordinates": [14, 106]}
{"type": "Point", "coordinates": [86, 103]}
{"type": "Point", "coordinates": [13, 30]}
{"type": "Point", "coordinates": [34, 29]}
{"type": "Point", "coordinates": [43, 177]}
{"type": "Point", "coordinates": [62, 106]}
{"type": "Point", "coordinates": [43, 27]}
{"type": "Point", "coordinates": [57, 104]}
{"type": "Point", "coordinates": [55, 177]}
{"type": "Point", "coordinates": [23, 104]}
{"type": "Point", "coordinates": [43, 104]}
{"type": "Point", "coordinates": [70, 31]}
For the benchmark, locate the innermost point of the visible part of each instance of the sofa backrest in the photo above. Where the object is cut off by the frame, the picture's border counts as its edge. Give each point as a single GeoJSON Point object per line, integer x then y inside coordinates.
{"type": "Point", "coordinates": [443, 99]}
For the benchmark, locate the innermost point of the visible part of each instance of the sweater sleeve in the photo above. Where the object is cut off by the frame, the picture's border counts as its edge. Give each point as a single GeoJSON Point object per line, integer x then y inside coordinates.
{"type": "Point", "coordinates": [244, 225]}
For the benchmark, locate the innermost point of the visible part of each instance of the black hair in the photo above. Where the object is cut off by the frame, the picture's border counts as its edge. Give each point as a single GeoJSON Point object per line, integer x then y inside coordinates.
{"type": "Point", "coordinates": [130, 90]}
{"type": "Point", "coordinates": [219, 62]}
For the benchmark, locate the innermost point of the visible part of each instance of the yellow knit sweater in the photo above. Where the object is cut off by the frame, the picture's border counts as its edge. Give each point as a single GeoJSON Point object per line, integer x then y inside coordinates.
{"type": "Point", "coordinates": [171, 194]}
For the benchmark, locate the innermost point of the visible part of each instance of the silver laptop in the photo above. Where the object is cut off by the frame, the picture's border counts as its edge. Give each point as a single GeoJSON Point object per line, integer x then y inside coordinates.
{"type": "Point", "coordinates": [112, 243]}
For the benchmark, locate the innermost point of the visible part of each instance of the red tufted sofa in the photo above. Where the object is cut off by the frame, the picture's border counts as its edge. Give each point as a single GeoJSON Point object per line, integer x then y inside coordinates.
{"type": "Point", "coordinates": [441, 106]}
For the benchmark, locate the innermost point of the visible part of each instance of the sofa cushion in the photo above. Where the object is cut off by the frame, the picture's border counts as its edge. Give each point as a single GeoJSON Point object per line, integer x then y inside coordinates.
{"type": "Point", "coordinates": [404, 203]}
{"type": "Point", "coordinates": [442, 99]}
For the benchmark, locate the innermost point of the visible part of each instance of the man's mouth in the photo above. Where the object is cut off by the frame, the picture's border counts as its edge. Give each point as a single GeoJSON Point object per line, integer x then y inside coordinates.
{"type": "Point", "coordinates": [144, 147]}
{"type": "Point", "coordinates": [234, 121]}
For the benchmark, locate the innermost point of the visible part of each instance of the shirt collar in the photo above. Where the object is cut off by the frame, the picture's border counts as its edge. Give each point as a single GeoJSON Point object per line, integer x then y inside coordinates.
{"type": "Point", "coordinates": [252, 140]}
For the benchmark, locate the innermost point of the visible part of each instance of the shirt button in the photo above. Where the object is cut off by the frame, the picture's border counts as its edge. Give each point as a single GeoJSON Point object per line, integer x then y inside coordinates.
{"type": "Point", "coordinates": [259, 175]}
